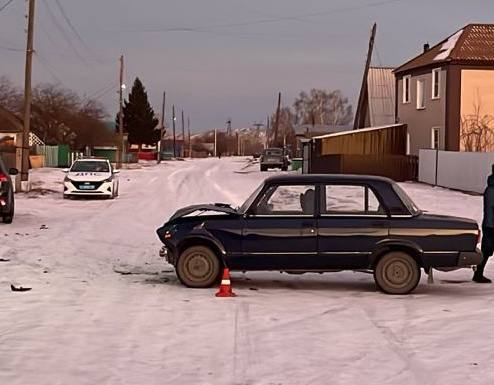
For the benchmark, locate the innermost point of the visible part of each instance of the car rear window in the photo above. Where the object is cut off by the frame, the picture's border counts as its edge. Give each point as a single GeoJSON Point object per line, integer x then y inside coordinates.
{"type": "Point", "coordinates": [407, 201]}
{"type": "Point", "coordinates": [275, 151]}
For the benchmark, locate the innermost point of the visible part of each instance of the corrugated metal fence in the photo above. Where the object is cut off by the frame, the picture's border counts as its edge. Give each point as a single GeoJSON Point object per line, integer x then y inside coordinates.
{"type": "Point", "coordinates": [466, 171]}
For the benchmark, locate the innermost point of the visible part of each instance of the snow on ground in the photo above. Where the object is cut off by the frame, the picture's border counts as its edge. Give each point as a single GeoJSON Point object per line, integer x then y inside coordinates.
{"type": "Point", "coordinates": [105, 309]}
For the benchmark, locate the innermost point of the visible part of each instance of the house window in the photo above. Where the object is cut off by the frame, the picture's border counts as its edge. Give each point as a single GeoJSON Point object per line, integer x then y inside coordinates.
{"type": "Point", "coordinates": [436, 79]}
{"type": "Point", "coordinates": [406, 88]}
{"type": "Point", "coordinates": [420, 95]}
{"type": "Point", "coordinates": [408, 143]}
{"type": "Point", "coordinates": [435, 138]}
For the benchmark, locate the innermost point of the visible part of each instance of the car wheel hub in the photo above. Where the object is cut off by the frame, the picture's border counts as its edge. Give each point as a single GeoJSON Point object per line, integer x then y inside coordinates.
{"type": "Point", "coordinates": [397, 273]}
{"type": "Point", "coordinates": [198, 266]}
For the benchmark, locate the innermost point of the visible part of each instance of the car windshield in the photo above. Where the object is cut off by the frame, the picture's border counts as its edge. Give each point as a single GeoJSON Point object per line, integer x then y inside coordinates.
{"type": "Point", "coordinates": [242, 209]}
{"type": "Point", "coordinates": [273, 151]}
{"type": "Point", "coordinates": [407, 201]}
{"type": "Point", "coordinates": [90, 166]}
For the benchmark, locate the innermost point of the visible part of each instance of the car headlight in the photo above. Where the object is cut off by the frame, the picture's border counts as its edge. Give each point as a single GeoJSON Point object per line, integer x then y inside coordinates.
{"type": "Point", "coordinates": [67, 179]}
{"type": "Point", "coordinates": [108, 180]}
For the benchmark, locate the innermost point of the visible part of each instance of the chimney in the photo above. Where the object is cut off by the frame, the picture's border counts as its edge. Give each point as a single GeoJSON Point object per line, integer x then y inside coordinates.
{"type": "Point", "coordinates": [426, 47]}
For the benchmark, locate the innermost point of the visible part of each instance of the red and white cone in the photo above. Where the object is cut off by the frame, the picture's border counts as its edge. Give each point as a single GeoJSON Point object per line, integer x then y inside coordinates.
{"type": "Point", "coordinates": [225, 287]}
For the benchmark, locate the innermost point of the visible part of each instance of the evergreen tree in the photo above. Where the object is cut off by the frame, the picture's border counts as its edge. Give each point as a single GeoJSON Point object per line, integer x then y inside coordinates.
{"type": "Point", "coordinates": [139, 118]}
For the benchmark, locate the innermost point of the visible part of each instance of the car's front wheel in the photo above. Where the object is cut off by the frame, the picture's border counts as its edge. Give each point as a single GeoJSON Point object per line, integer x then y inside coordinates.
{"type": "Point", "coordinates": [198, 267]}
{"type": "Point", "coordinates": [8, 218]}
{"type": "Point", "coordinates": [397, 273]}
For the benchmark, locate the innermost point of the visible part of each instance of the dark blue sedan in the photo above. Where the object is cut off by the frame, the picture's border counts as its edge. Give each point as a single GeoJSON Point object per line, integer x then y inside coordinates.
{"type": "Point", "coordinates": [319, 223]}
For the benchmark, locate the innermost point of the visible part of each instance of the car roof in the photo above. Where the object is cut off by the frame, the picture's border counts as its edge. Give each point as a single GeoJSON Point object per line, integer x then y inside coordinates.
{"type": "Point", "coordinates": [324, 178]}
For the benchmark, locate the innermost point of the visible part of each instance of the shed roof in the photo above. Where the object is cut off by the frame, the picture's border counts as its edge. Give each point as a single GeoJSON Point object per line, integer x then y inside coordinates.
{"type": "Point", "coordinates": [381, 94]}
{"type": "Point", "coordinates": [473, 44]}
{"type": "Point", "coordinates": [360, 130]}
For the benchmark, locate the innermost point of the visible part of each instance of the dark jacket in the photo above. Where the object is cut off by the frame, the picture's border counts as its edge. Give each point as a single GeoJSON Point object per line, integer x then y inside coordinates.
{"type": "Point", "coordinates": [488, 221]}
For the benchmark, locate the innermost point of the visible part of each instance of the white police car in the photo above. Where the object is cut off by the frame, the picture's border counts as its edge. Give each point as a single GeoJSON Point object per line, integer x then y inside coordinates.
{"type": "Point", "coordinates": [91, 177]}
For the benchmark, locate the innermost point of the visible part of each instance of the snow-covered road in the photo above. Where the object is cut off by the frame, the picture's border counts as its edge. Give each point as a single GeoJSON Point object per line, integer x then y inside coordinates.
{"type": "Point", "coordinates": [105, 309]}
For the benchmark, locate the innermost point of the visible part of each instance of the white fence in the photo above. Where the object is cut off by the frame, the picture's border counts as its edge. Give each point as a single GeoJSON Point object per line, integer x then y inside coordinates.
{"type": "Point", "coordinates": [466, 171]}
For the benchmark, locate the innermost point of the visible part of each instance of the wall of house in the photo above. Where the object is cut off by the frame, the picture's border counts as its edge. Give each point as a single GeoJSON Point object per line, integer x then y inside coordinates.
{"type": "Point", "coordinates": [421, 121]}
{"type": "Point", "coordinates": [477, 110]}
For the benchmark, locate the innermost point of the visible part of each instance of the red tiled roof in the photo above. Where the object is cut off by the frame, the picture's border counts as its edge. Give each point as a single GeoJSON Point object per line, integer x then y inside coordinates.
{"type": "Point", "coordinates": [474, 44]}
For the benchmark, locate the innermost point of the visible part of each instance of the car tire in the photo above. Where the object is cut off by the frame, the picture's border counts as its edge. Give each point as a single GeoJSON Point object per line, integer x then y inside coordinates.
{"type": "Point", "coordinates": [198, 267]}
{"type": "Point", "coordinates": [397, 273]}
{"type": "Point", "coordinates": [8, 218]}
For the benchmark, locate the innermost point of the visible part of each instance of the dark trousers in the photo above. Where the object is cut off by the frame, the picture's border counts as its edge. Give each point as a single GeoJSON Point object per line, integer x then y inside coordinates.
{"type": "Point", "coordinates": [487, 248]}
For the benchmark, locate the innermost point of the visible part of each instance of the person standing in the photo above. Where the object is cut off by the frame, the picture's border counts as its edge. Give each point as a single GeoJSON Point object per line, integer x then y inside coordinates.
{"type": "Point", "coordinates": [487, 245]}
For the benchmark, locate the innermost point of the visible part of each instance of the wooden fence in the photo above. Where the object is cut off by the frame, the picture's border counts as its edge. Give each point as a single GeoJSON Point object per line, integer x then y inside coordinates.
{"type": "Point", "coordinates": [397, 167]}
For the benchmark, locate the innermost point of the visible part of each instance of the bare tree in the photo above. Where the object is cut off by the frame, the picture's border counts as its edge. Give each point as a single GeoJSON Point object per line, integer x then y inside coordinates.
{"type": "Point", "coordinates": [322, 107]}
{"type": "Point", "coordinates": [477, 130]}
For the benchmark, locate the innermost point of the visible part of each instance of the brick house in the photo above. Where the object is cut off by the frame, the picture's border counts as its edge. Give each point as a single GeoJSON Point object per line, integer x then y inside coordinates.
{"type": "Point", "coordinates": [446, 94]}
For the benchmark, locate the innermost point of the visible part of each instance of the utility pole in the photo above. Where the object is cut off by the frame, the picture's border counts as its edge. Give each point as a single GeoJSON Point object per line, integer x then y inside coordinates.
{"type": "Point", "coordinates": [22, 183]}
{"type": "Point", "coordinates": [174, 137]}
{"type": "Point", "coordinates": [120, 115]}
{"type": "Point", "coordinates": [238, 143]}
{"type": "Point", "coordinates": [277, 122]}
{"type": "Point", "coordinates": [190, 143]}
{"type": "Point", "coordinates": [359, 116]}
{"type": "Point", "coordinates": [229, 126]}
{"type": "Point", "coordinates": [215, 142]}
{"type": "Point", "coordinates": [267, 133]}
{"type": "Point", "coordinates": [162, 128]}
{"type": "Point", "coordinates": [258, 126]}
{"type": "Point", "coordinates": [183, 135]}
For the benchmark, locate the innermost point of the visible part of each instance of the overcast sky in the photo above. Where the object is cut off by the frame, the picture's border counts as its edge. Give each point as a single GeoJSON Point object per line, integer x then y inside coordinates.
{"type": "Point", "coordinates": [223, 58]}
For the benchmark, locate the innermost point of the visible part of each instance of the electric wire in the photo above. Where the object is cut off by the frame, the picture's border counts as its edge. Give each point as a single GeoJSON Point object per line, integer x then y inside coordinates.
{"type": "Point", "coordinates": [6, 5]}
{"type": "Point", "coordinates": [11, 49]}
{"type": "Point", "coordinates": [270, 20]}
{"type": "Point", "coordinates": [63, 33]}
{"type": "Point", "coordinates": [46, 65]}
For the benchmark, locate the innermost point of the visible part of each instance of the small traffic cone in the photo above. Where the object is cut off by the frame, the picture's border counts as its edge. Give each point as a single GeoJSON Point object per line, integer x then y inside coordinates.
{"type": "Point", "coordinates": [225, 287]}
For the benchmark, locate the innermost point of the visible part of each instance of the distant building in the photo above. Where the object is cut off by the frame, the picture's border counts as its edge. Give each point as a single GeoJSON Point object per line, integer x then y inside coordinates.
{"type": "Point", "coordinates": [446, 94]}
{"type": "Point", "coordinates": [307, 131]}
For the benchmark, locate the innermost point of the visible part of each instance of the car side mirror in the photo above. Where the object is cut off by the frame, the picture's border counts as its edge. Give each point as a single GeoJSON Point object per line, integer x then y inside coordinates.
{"type": "Point", "coordinates": [65, 170]}
{"type": "Point", "coordinates": [116, 171]}
{"type": "Point", "coordinates": [13, 171]}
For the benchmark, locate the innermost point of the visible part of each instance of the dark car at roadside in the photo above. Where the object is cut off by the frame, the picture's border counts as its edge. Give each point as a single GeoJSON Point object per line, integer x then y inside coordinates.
{"type": "Point", "coordinates": [318, 224]}
{"type": "Point", "coordinates": [6, 193]}
{"type": "Point", "coordinates": [274, 158]}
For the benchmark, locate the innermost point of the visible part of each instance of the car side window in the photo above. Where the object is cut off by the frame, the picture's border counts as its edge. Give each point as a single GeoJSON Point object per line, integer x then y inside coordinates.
{"type": "Point", "coordinates": [351, 199]}
{"type": "Point", "coordinates": [287, 200]}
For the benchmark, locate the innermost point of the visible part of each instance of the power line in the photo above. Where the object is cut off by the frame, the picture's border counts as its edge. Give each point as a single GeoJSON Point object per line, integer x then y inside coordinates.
{"type": "Point", "coordinates": [63, 33]}
{"type": "Point", "coordinates": [113, 86]}
{"type": "Point", "coordinates": [273, 19]}
{"type": "Point", "coordinates": [11, 49]}
{"type": "Point", "coordinates": [73, 29]}
{"type": "Point", "coordinates": [6, 5]}
{"type": "Point", "coordinates": [47, 67]}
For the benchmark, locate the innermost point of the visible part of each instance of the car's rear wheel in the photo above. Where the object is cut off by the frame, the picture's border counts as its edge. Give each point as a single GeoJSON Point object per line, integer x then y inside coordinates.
{"type": "Point", "coordinates": [397, 273]}
{"type": "Point", "coordinates": [198, 267]}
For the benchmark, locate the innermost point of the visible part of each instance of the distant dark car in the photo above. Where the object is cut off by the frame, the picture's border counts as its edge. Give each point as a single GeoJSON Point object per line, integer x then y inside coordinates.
{"type": "Point", "coordinates": [274, 158]}
{"type": "Point", "coordinates": [6, 193]}
{"type": "Point", "coordinates": [319, 223]}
